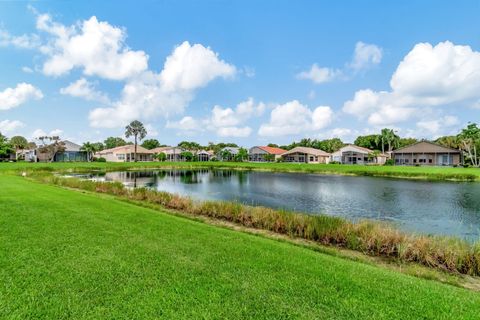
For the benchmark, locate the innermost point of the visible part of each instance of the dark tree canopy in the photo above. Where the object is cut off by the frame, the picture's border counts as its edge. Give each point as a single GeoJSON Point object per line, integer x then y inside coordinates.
{"type": "Point", "coordinates": [112, 142]}
{"type": "Point", "coordinates": [151, 144]}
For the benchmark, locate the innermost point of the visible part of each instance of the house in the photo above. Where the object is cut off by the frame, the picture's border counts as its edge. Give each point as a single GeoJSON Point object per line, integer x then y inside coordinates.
{"type": "Point", "coordinates": [427, 153]}
{"type": "Point", "coordinates": [204, 155]}
{"type": "Point", "coordinates": [306, 155]}
{"type": "Point", "coordinates": [174, 154]}
{"type": "Point", "coordinates": [352, 154]}
{"type": "Point", "coordinates": [159, 150]}
{"type": "Point", "coordinates": [72, 152]}
{"type": "Point", "coordinates": [228, 153]}
{"type": "Point", "coordinates": [262, 154]}
{"type": "Point", "coordinates": [125, 154]}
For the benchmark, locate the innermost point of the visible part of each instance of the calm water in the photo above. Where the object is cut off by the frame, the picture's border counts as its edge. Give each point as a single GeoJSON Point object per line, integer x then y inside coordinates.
{"type": "Point", "coordinates": [446, 208]}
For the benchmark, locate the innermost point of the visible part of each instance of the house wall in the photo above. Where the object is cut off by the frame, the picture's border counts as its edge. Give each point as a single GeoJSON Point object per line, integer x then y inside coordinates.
{"type": "Point", "coordinates": [68, 156]}
{"type": "Point", "coordinates": [256, 154]}
{"type": "Point", "coordinates": [299, 157]}
{"type": "Point", "coordinates": [427, 159]}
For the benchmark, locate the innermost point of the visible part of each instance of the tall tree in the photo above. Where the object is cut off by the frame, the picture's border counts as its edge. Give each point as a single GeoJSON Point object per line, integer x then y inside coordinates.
{"type": "Point", "coordinates": [137, 130]}
{"type": "Point", "coordinates": [5, 147]}
{"type": "Point", "coordinates": [449, 142]}
{"type": "Point", "coordinates": [368, 141]}
{"type": "Point", "coordinates": [89, 148]}
{"type": "Point", "coordinates": [470, 142]}
{"type": "Point", "coordinates": [18, 143]}
{"type": "Point", "coordinates": [112, 142]}
{"type": "Point", "coordinates": [242, 155]}
{"type": "Point", "coordinates": [388, 138]}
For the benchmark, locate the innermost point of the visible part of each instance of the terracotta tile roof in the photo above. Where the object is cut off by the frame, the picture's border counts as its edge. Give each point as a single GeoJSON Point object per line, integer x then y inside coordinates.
{"type": "Point", "coordinates": [273, 150]}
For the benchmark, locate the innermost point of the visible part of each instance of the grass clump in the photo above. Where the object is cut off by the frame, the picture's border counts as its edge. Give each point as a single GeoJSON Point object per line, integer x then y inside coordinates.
{"type": "Point", "coordinates": [371, 238]}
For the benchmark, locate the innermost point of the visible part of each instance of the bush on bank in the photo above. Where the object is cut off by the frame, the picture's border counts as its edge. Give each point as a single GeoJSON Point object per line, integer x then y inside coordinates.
{"type": "Point", "coordinates": [370, 238]}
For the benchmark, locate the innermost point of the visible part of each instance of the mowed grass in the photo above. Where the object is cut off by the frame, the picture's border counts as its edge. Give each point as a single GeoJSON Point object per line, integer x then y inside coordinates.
{"type": "Point", "coordinates": [431, 173]}
{"type": "Point", "coordinates": [65, 254]}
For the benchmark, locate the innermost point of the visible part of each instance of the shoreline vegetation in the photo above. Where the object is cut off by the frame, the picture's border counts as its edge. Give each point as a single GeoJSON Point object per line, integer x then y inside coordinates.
{"type": "Point", "coordinates": [370, 238]}
{"type": "Point", "coordinates": [400, 172]}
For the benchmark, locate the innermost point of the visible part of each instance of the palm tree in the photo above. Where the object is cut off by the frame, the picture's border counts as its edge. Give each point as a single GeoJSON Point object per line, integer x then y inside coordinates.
{"type": "Point", "coordinates": [137, 130]}
{"type": "Point", "coordinates": [19, 143]}
{"type": "Point", "coordinates": [387, 137]}
{"type": "Point", "coordinates": [89, 148]}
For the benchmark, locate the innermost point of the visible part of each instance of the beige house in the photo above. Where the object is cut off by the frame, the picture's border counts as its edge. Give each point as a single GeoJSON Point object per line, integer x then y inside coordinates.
{"type": "Point", "coordinates": [427, 153]}
{"type": "Point", "coordinates": [306, 155]}
{"type": "Point", "coordinates": [257, 154]}
{"type": "Point", "coordinates": [126, 154]}
{"type": "Point", "coordinates": [352, 154]}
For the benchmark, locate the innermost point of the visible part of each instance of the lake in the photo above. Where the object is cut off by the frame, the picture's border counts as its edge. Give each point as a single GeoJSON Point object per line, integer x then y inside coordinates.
{"type": "Point", "coordinates": [443, 208]}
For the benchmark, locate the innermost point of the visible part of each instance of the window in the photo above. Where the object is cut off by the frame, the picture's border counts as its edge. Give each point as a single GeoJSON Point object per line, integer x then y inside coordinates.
{"type": "Point", "coordinates": [407, 160]}
{"type": "Point", "coordinates": [311, 158]}
{"type": "Point", "coordinates": [121, 156]}
{"type": "Point", "coordinates": [414, 160]}
{"type": "Point", "coordinates": [430, 161]}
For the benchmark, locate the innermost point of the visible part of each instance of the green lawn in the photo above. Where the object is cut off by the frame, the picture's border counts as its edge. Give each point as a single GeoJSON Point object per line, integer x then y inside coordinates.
{"type": "Point", "coordinates": [434, 173]}
{"type": "Point", "coordinates": [65, 254]}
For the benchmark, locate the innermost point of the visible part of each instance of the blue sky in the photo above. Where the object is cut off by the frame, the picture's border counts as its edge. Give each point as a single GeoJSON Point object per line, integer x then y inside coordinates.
{"type": "Point", "coordinates": [240, 71]}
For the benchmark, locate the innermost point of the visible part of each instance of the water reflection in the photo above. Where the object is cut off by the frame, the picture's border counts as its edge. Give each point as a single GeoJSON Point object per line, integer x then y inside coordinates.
{"type": "Point", "coordinates": [428, 207]}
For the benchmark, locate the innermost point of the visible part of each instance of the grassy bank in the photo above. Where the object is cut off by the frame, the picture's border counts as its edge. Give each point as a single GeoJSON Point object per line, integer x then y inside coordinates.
{"type": "Point", "coordinates": [67, 254]}
{"type": "Point", "coordinates": [371, 238]}
{"type": "Point", "coordinates": [430, 173]}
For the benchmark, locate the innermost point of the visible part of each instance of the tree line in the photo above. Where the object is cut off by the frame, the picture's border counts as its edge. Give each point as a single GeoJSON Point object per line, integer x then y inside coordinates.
{"type": "Point", "coordinates": [468, 140]}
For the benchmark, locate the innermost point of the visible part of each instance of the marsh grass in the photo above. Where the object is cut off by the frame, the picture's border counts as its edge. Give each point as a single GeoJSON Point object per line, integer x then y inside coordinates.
{"type": "Point", "coordinates": [370, 238]}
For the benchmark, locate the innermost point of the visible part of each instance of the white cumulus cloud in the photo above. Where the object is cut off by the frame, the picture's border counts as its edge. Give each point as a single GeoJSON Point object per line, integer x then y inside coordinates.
{"type": "Point", "coordinates": [96, 47]}
{"type": "Point", "coordinates": [82, 88]}
{"type": "Point", "coordinates": [319, 74]}
{"type": "Point", "coordinates": [149, 94]}
{"type": "Point", "coordinates": [8, 126]}
{"type": "Point", "coordinates": [365, 56]}
{"type": "Point", "coordinates": [428, 76]}
{"type": "Point", "coordinates": [294, 118]}
{"type": "Point", "coordinates": [13, 97]}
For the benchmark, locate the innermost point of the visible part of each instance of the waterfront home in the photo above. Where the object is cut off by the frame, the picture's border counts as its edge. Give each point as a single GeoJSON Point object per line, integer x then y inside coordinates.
{"type": "Point", "coordinates": [174, 154]}
{"type": "Point", "coordinates": [306, 155]}
{"type": "Point", "coordinates": [204, 155]}
{"type": "Point", "coordinates": [264, 154]}
{"type": "Point", "coordinates": [69, 152]}
{"type": "Point", "coordinates": [228, 154]}
{"type": "Point", "coordinates": [159, 150]}
{"type": "Point", "coordinates": [72, 152]}
{"type": "Point", "coordinates": [352, 154]}
{"type": "Point", "coordinates": [427, 153]}
{"type": "Point", "coordinates": [125, 154]}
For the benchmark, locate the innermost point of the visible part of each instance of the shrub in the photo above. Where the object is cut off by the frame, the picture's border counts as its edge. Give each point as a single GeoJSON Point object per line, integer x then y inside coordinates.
{"type": "Point", "coordinates": [100, 159]}
{"type": "Point", "coordinates": [389, 162]}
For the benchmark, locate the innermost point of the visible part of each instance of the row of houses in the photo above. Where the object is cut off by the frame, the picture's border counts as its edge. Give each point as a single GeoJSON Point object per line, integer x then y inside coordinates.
{"type": "Point", "coordinates": [420, 153]}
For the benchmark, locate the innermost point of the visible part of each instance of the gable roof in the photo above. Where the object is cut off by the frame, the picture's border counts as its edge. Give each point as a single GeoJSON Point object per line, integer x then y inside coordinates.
{"type": "Point", "coordinates": [272, 150]}
{"type": "Point", "coordinates": [425, 146]}
{"type": "Point", "coordinates": [70, 146]}
{"type": "Point", "coordinates": [315, 152]}
{"type": "Point", "coordinates": [159, 149]}
{"type": "Point", "coordinates": [129, 148]}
